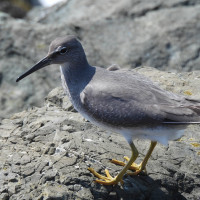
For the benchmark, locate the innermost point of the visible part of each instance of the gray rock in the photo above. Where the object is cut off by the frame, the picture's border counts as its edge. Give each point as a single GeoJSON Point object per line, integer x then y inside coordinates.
{"type": "Point", "coordinates": [4, 196]}
{"type": "Point", "coordinates": [55, 146]}
{"type": "Point", "coordinates": [161, 34]}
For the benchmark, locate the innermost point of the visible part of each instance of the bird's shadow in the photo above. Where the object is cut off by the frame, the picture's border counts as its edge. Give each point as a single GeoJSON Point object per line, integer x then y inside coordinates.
{"type": "Point", "coordinates": [137, 187]}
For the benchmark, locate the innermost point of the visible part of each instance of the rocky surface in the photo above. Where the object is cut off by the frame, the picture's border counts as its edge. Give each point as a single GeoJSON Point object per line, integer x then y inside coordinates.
{"type": "Point", "coordinates": [17, 9]}
{"type": "Point", "coordinates": [45, 153]}
{"type": "Point", "coordinates": [161, 34]}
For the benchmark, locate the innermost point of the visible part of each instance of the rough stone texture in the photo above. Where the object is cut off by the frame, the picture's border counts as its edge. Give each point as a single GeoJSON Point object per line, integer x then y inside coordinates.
{"type": "Point", "coordinates": [16, 9]}
{"type": "Point", "coordinates": [161, 34]}
{"type": "Point", "coordinates": [45, 153]}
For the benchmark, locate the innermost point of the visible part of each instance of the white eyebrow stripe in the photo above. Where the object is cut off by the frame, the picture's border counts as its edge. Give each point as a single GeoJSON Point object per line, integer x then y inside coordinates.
{"type": "Point", "coordinates": [58, 48]}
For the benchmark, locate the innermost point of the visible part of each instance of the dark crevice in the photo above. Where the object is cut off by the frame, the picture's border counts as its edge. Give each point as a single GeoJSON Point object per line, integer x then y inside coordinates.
{"type": "Point", "coordinates": [1, 77]}
{"type": "Point", "coordinates": [196, 56]}
{"type": "Point", "coordinates": [145, 11]}
{"type": "Point", "coordinates": [187, 3]}
{"type": "Point", "coordinates": [159, 7]}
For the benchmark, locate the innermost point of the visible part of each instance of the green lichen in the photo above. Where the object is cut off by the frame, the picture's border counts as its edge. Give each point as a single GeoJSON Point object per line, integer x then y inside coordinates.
{"type": "Point", "coordinates": [195, 144]}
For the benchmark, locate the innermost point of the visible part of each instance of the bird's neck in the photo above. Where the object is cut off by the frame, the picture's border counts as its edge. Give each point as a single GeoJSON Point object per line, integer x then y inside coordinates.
{"type": "Point", "coordinates": [75, 78]}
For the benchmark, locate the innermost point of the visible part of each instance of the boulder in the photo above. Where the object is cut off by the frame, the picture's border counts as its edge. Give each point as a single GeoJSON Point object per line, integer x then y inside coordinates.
{"type": "Point", "coordinates": [45, 153]}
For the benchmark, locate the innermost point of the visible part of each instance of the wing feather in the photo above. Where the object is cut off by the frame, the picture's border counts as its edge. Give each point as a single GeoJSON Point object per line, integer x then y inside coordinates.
{"type": "Point", "coordinates": [140, 102]}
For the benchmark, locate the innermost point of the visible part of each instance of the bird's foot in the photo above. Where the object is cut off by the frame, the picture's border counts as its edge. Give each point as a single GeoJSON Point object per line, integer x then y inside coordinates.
{"type": "Point", "coordinates": [134, 167]}
{"type": "Point", "coordinates": [106, 180]}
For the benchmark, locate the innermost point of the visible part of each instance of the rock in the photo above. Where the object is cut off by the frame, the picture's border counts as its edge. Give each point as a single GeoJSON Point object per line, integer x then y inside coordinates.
{"type": "Point", "coordinates": [17, 9]}
{"type": "Point", "coordinates": [155, 34]}
{"type": "Point", "coordinates": [4, 196]}
{"type": "Point", "coordinates": [55, 146]}
{"type": "Point", "coordinates": [55, 191]}
{"type": "Point", "coordinates": [161, 34]}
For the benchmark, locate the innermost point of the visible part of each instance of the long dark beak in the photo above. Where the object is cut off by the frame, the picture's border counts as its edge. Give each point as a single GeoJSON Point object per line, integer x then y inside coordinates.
{"type": "Point", "coordinates": [42, 63]}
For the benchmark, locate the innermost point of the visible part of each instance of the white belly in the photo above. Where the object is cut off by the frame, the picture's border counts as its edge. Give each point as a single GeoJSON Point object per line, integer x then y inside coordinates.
{"type": "Point", "coordinates": [161, 134]}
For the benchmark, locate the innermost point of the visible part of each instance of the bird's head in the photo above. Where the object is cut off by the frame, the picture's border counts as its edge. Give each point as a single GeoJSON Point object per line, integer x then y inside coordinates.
{"type": "Point", "coordinates": [62, 50]}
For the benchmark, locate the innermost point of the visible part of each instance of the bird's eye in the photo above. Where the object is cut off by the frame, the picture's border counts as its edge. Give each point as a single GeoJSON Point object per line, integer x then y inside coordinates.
{"type": "Point", "coordinates": [63, 50]}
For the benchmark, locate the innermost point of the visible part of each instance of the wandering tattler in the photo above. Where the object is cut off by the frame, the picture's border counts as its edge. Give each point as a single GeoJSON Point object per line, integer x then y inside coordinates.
{"type": "Point", "coordinates": [125, 103]}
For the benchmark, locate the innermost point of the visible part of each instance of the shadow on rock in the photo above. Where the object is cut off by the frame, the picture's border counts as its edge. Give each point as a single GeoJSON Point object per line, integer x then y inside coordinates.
{"type": "Point", "coordinates": [139, 187]}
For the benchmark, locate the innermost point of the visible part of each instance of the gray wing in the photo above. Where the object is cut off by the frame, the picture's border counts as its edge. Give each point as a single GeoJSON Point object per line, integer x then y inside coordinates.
{"type": "Point", "coordinates": [136, 101]}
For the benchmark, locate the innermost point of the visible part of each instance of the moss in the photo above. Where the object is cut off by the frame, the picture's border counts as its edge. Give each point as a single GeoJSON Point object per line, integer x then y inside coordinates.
{"type": "Point", "coordinates": [187, 92]}
{"type": "Point", "coordinates": [195, 144]}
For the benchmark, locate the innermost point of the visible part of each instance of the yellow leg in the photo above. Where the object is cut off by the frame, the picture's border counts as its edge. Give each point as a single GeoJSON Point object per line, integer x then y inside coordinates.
{"type": "Point", "coordinates": [108, 179]}
{"type": "Point", "coordinates": [142, 165]}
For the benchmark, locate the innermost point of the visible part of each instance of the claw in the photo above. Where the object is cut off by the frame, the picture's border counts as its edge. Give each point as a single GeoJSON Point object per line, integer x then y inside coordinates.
{"type": "Point", "coordinates": [137, 168]}
{"type": "Point", "coordinates": [109, 180]}
{"type": "Point", "coordinates": [106, 180]}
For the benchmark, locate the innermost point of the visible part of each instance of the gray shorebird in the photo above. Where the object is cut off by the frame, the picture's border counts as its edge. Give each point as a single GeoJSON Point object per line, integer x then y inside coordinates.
{"type": "Point", "coordinates": [125, 103]}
